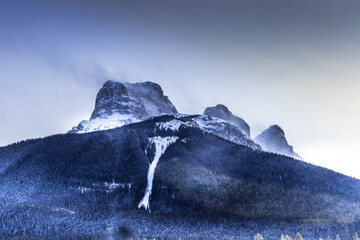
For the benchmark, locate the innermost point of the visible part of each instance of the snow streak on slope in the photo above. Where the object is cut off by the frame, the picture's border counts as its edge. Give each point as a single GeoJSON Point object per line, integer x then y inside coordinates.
{"type": "Point", "coordinates": [172, 125]}
{"type": "Point", "coordinates": [161, 143]}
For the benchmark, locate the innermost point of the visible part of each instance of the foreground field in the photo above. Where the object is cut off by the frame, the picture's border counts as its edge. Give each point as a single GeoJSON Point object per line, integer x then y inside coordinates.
{"type": "Point", "coordinates": [36, 221]}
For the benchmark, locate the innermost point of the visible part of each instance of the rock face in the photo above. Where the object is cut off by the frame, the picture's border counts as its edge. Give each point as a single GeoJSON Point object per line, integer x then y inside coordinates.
{"type": "Point", "coordinates": [273, 140]}
{"type": "Point", "coordinates": [112, 98]}
{"type": "Point", "coordinates": [222, 112]}
{"type": "Point", "coordinates": [118, 104]}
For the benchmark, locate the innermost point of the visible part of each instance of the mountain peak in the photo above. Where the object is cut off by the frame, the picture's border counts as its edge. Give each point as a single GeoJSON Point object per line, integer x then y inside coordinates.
{"type": "Point", "coordinates": [276, 129]}
{"type": "Point", "coordinates": [113, 97]}
{"type": "Point", "coordinates": [120, 103]}
{"type": "Point", "coordinates": [273, 140]}
{"type": "Point", "coordinates": [222, 107]}
{"type": "Point", "coordinates": [222, 112]}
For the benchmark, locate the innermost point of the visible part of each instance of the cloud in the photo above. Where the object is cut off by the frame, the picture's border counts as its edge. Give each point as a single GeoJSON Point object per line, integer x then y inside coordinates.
{"type": "Point", "coordinates": [86, 73]}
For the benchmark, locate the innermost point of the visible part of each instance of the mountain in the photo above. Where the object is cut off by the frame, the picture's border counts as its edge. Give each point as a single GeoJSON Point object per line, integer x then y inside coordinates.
{"type": "Point", "coordinates": [273, 140]}
{"type": "Point", "coordinates": [222, 112]}
{"type": "Point", "coordinates": [166, 165]}
{"type": "Point", "coordinates": [198, 175]}
{"type": "Point", "coordinates": [118, 104]}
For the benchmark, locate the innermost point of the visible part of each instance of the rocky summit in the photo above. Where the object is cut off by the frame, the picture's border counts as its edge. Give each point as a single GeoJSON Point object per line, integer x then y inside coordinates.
{"type": "Point", "coordinates": [222, 112]}
{"type": "Point", "coordinates": [118, 104]}
{"type": "Point", "coordinates": [273, 140]}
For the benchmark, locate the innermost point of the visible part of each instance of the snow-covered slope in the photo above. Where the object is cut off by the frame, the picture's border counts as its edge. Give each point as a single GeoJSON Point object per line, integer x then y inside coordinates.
{"type": "Point", "coordinates": [222, 129]}
{"type": "Point", "coordinates": [273, 140]}
{"type": "Point", "coordinates": [212, 125]}
{"type": "Point", "coordinates": [104, 123]}
{"type": "Point", "coordinates": [222, 112]}
{"type": "Point", "coordinates": [118, 104]}
{"type": "Point", "coordinates": [172, 126]}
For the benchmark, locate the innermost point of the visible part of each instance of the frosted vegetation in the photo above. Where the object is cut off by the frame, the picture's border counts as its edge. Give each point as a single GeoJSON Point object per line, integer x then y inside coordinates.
{"type": "Point", "coordinates": [172, 125]}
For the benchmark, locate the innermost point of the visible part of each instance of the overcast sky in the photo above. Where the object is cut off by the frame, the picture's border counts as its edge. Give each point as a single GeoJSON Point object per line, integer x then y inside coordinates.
{"type": "Point", "coordinates": [293, 63]}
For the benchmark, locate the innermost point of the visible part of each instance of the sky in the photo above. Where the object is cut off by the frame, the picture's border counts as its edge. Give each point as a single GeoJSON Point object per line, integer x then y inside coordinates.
{"type": "Point", "coordinates": [286, 62]}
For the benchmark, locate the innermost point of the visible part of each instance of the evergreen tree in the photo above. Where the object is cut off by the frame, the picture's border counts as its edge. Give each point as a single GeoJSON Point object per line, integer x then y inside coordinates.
{"type": "Point", "coordinates": [337, 237]}
{"type": "Point", "coordinates": [355, 236]}
{"type": "Point", "coordinates": [285, 237]}
{"type": "Point", "coordinates": [258, 237]}
{"type": "Point", "coordinates": [298, 236]}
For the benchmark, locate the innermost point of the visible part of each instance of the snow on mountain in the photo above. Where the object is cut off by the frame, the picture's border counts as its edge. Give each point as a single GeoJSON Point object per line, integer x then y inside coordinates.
{"type": "Point", "coordinates": [118, 104]}
{"type": "Point", "coordinates": [224, 129]}
{"type": "Point", "coordinates": [273, 140]}
{"type": "Point", "coordinates": [161, 144]}
{"type": "Point", "coordinates": [222, 112]}
{"type": "Point", "coordinates": [212, 125]}
{"type": "Point", "coordinates": [172, 125]}
{"type": "Point", "coordinates": [104, 123]}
